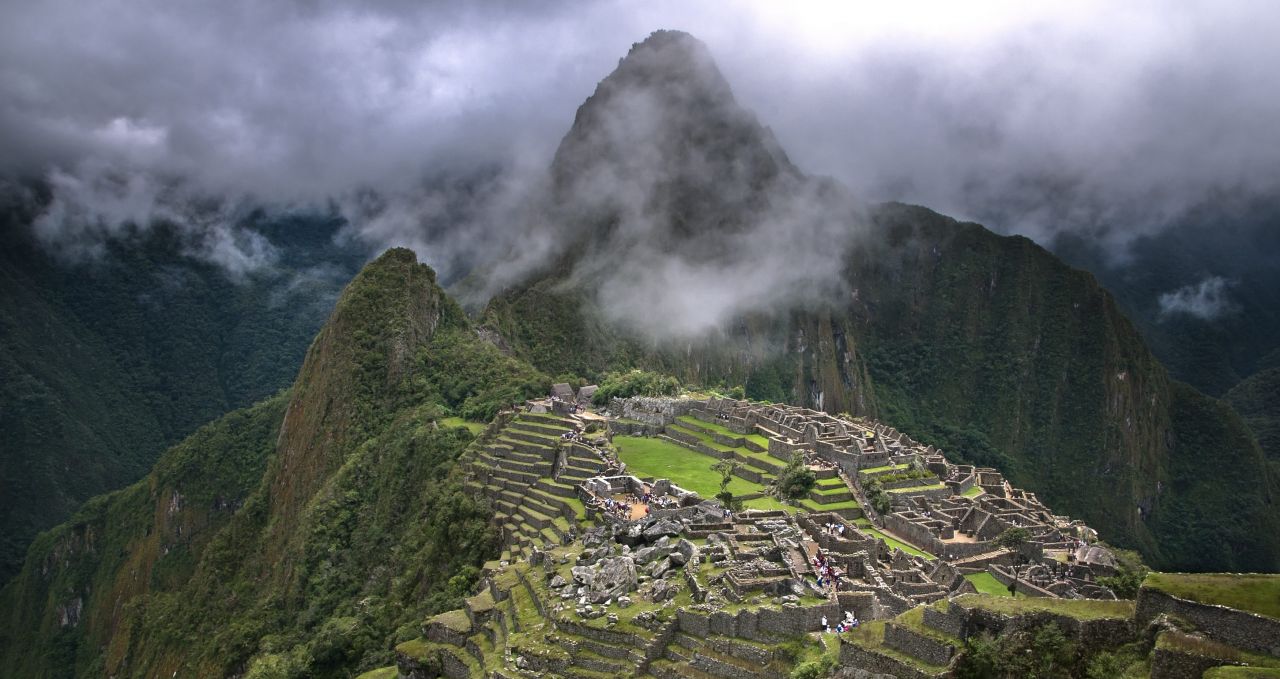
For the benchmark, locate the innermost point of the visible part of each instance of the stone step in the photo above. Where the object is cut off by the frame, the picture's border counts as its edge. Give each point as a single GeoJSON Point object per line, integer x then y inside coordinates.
{"type": "Point", "coordinates": [560, 489]}
{"type": "Point", "coordinates": [528, 437]}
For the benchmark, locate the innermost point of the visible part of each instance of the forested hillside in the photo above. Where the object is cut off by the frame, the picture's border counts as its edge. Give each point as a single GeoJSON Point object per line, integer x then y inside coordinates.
{"type": "Point", "coordinates": [105, 362]}
{"type": "Point", "coordinates": [309, 531]}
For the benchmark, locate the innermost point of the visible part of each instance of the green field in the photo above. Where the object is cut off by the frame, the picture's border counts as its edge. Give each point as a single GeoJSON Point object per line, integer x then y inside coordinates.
{"type": "Point", "coordinates": [973, 492]}
{"type": "Point", "coordinates": [987, 584]}
{"type": "Point", "coordinates": [1080, 609]}
{"type": "Point", "coordinates": [1254, 592]}
{"type": "Point", "coordinates": [473, 427]}
{"type": "Point", "coordinates": [691, 470]}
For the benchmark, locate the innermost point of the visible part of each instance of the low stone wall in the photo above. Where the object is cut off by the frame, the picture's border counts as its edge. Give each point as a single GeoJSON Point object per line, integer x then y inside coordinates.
{"type": "Point", "coordinates": [1247, 631]}
{"type": "Point", "coordinates": [766, 624]}
{"type": "Point", "coordinates": [1092, 635]}
{"type": "Point", "coordinates": [917, 645]}
{"type": "Point", "coordinates": [852, 655]}
{"type": "Point", "coordinates": [950, 622]}
{"type": "Point", "coordinates": [1170, 664]}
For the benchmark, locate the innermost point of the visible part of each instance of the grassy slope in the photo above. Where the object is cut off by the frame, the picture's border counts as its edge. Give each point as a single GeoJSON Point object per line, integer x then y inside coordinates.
{"type": "Point", "coordinates": [1257, 593]}
{"type": "Point", "coordinates": [346, 535]}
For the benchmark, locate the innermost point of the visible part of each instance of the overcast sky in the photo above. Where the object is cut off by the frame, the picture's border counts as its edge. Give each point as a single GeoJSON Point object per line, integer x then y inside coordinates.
{"type": "Point", "coordinates": [1033, 117]}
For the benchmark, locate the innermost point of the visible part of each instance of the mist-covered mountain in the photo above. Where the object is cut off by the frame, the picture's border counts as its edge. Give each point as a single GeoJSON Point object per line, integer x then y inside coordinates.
{"type": "Point", "coordinates": [305, 535]}
{"type": "Point", "coordinates": [692, 245]}
{"type": "Point", "coordinates": [107, 361]}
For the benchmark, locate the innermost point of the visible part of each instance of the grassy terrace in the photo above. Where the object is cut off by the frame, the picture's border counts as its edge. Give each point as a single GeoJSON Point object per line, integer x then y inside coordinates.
{"type": "Point", "coordinates": [656, 458]}
{"type": "Point", "coordinates": [381, 673]}
{"type": "Point", "coordinates": [1173, 640]}
{"type": "Point", "coordinates": [474, 427]}
{"type": "Point", "coordinates": [919, 489]}
{"type": "Point", "coordinates": [886, 468]}
{"type": "Point", "coordinates": [973, 492]}
{"type": "Point", "coordinates": [892, 542]}
{"type": "Point", "coordinates": [1080, 609]}
{"type": "Point", "coordinates": [987, 584]}
{"type": "Point", "coordinates": [1253, 592]}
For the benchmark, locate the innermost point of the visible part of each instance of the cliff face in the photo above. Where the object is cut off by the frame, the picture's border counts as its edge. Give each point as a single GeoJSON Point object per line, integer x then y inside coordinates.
{"type": "Point", "coordinates": [985, 345]}
{"type": "Point", "coordinates": [303, 532]}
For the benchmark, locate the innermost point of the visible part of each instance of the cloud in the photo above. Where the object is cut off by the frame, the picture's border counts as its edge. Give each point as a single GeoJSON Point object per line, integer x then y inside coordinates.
{"type": "Point", "coordinates": [1206, 300]}
{"type": "Point", "coordinates": [1035, 118]}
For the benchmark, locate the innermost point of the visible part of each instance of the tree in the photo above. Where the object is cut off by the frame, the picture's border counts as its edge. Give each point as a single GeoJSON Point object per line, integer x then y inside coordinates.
{"type": "Point", "coordinates": [1014, 539]}
{"type": "Point", "coordinates": [726, 467]}
{"type": "Point", "coordinates": [796, 480]}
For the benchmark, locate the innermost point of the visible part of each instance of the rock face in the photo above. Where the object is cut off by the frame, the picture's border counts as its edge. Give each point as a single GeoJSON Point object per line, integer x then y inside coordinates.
{"type": "Point", "coordinates": [615, 576]}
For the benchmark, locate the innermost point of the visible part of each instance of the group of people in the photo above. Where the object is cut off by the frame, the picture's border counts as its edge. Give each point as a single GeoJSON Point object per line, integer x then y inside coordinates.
{"type": "Point", "coordinates": [849, 622]}
{"type": "Point", "coordinates": [827, 573]}
{"type": "Point", "coordinates": [620, 509]}
{"type": "Point", "coordinates": [835, 529]}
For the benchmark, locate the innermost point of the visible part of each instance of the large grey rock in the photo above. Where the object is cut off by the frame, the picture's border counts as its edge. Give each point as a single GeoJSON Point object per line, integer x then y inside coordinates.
{"type": "Point", "coordinates": [683, 552]}
{"type": "Point", "coordinates": [584, 575]}
{"type": "Point", "coordinates": [557, 582]}
{"type": "Point", "coordinates": [661, 487]}
{"type": "Point", "coordinates": [663, 527]}
{"type": "Point", "coordinates": [615, 576]}
{"type": "Point", "coordinates": [657, 568]}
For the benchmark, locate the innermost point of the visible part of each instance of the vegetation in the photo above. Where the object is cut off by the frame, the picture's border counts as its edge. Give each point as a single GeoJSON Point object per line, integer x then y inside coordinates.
{"type": "Point", "coordinates": [877, 497]}
{"type": "Point", "coordinates": [1129, 575]}
{"type": "Point", "coordinates": [304, 549]}
{"type": "Point", "coordinates": [796, 480]}
{"type": "Point", "coordinates": [106, 363]}
{"type": "Point", "coordinates": [655, 458]}
{"type": "Point", "coordinates": [1254, 592]}
{"type": "Point", "coordinates": [1043, 653]}
{"type": "Point", "coordinates": [986, 583]}
{"type": "Point", "coordinates": [635, 383]}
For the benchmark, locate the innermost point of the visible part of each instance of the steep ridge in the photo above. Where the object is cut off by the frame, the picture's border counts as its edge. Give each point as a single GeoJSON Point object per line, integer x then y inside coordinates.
{"type": "Point", "coordinates": [298, 537]}
{"type": "Point", "coordinates": [986, 345]}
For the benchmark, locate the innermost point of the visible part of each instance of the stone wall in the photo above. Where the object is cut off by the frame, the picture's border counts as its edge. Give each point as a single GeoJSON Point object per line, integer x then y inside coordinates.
{"type": "Point", "coordinates": [852, 655]}
{"type": "Point", "coordinates": [1247, 631]}
{"type": "Point", "coordinates": [656, 411]}
{"type": "Point", "coordinates": [1171, 664]}
{"type": "Point", "coordinates": [917, 645]}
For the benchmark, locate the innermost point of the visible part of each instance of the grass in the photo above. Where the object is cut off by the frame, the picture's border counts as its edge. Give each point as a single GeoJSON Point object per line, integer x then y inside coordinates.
{"type": "Point", "coordinates": [987, 584]}
{"type": "Point", "coordinates": [1080, 609]}
{"type": "Point", "coordinates": [381, 673]}
{"type": "Point", "coordinates": [870, 636]}
{"type": "Point", "coordinates": [897, 543]}
{"type": "Point", "coordinates": [1253, 592]}
{"type": "Point", "coordinates": [691, 470]}
{"type": "Point", "coordinates": [918, 489]}
{"type": "Point", "coordinates": [1233, 672]}
{"type": "Point", "coordinates": [1174, 640]}
{"type": "Point", "coordinates": [474, 427]}
{"type": "Point", "coordinates": [717, 428]}
{"type": "Point", "coordinates": [973, 492]}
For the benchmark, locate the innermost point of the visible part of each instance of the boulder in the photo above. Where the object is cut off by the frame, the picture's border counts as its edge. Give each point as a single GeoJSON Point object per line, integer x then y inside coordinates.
{"type": "Point", "coordinates": [584, 575]}
{"type": "Point", "coordinates": [615, 576]}
{"type": "Point", "coordinates": [657, 568]}
{"type": "Point", "coordinates": [683, 552]}
{"type": "Point", "coordinates": [557, 582]}
{"type": "Point", "coordinates": [663, 527]}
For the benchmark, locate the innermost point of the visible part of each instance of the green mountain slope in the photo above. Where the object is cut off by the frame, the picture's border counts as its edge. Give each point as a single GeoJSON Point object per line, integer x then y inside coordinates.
{"type": "Point", "coordinates": [105, 363]}
{"type": "Point", "coordinates": [310, 531]}
{"type": "Point", "coordinates": [1257, 399]}
{"type": "Point", "coordinates": [988, 346]}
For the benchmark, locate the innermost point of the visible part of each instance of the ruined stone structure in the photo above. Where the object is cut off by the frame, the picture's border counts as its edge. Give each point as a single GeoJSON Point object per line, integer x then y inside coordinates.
{"type": "Point", "coordinates": [591, 583]}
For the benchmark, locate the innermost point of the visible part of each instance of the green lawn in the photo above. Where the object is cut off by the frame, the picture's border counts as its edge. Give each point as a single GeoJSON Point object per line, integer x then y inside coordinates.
{"type": "Point", "coordinates": [1081, 609]}
{"type": "Point", "coordinates": [473, 427]}
{"type": "Point", "coordinates": [987, 584]}
{"type": "Point", "coordinates": [888, 467]}
{"type": "Point", "coordinates": [918, 489]}
{"type": "Point", "coordinates": [1254, 592]}
{"type": "Point", "coordinates": [717, 428]}
{"type": "Point", "coordinates": [973, 492]}
{"type": "Point", "coordinates": [691, 470]}
{"type": "Point", "coordinates": [897, 543]}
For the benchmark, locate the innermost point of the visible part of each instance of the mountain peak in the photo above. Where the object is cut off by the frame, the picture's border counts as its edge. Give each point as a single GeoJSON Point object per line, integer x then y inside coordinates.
{"type": "Point", "coordinates": [663, 135]}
